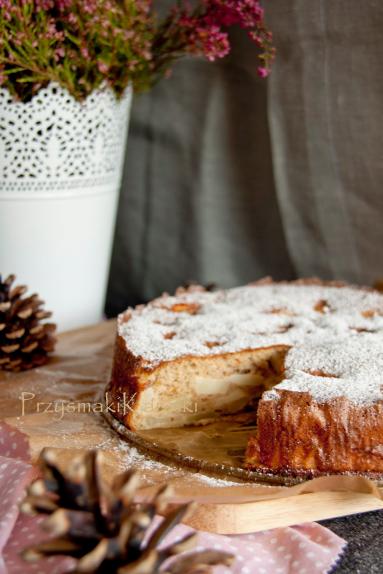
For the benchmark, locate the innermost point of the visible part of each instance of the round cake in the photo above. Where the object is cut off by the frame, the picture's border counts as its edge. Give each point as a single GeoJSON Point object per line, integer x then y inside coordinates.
{"type": "Point", "coordinates": [306, 355]}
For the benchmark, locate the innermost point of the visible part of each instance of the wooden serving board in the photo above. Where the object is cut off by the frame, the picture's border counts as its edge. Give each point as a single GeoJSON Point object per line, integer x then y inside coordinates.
{"type": "Point", "coordinates": [59, 406]}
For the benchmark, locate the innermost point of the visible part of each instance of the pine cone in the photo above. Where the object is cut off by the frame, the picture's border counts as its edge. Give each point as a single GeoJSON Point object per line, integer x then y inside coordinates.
{"type": "Point", "coordinates": [104, 529]}
{"type": "Point", "coordinates": [25, 340]}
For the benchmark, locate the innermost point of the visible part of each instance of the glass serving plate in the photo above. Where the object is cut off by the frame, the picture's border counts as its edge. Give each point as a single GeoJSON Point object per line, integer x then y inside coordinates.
{"type": "Point", "coordinates": [216, 449]}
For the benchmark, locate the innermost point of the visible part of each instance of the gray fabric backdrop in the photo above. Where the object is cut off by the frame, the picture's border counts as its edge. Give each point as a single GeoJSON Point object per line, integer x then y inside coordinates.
{"type": "Point", "coordinates": [229, 177]}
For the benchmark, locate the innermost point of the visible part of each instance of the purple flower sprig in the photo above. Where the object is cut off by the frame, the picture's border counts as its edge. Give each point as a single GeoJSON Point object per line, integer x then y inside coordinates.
{"type": "Point", "coordinates": [86, 44]}
{"type": "Point", "coordinates": [204, 30]}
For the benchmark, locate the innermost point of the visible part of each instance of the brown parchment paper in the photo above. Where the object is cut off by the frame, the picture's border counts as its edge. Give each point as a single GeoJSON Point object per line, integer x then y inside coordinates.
{"type": "Point", "coordinates": [58, 406]}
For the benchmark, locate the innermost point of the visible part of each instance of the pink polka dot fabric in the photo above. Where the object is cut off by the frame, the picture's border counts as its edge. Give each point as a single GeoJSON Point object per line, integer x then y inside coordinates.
{"type": "Point", "coordinates": [15, 474]}
{"type": "Point", "coordinates": [305, 549]}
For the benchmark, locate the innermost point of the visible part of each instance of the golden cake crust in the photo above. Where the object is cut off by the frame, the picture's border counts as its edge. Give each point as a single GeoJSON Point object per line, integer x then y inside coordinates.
{"type": "Point", "coordinates": [296, 432]}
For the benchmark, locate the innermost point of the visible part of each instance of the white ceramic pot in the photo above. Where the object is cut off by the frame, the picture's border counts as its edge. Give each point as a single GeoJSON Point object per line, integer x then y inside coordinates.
{"type": "Point", "coordinates": [60, 171]}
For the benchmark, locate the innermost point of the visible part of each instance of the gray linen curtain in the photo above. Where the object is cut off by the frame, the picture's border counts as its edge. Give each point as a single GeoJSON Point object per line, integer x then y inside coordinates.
{"type": "Point", "coordinates": [229, 178]}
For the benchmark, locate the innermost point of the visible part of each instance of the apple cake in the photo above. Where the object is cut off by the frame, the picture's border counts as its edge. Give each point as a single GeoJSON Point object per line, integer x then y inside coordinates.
{"type": "Point", "coordinates": [307, 355]}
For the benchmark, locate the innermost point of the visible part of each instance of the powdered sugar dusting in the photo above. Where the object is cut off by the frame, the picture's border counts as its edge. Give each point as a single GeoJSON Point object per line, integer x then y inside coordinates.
{"type": "Point", "coordinates": [335, 331]}
{"type": "Point", "coordinates": [133, 458]}
{"type": "Point", "coordinates": [350, 367]}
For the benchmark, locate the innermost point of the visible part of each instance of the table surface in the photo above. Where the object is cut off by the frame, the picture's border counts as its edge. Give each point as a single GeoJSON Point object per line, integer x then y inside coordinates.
{"type": "Point", "coordinates": [364, 534]}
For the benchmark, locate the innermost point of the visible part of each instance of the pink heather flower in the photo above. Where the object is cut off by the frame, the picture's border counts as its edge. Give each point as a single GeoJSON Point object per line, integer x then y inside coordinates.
{"type": "Point", "coordinates": [6, 9]}
{"type": "Point", "coordinates": [85, 52]}
{"type": "Point", "coordinates": [103, 68]}
{"type": "Point", "coordinates": [257, 39]}
{"type": "Point", "coordinates": [72, 19]}
{"type": "Point", "coordinates": [146, 54]}
{"type": "Point", "coordinates": [185, 21]}
{"type": "Point", "coordinates": [211, 41]}
{"type": "Point", "coordinates": [63, 5]}
{"type": "Point", "coordinates": [246, 13]}
{"type": "Point", "coordinates": [52, 30]}
{"type": "Point", "coordinates": [89, 6]}
{"type": "Point", "coordinates": [263, 72]}
{"type": "Point", "coordinates": [132, 64]}
{"type": "Point", "coordinates": [144, 6]}
{"type": "Point", "coordinates": [19, 39]}
{"type": "Point", "coordinates": [204, 32]}
{"type": "Point", "coordinates": [44, 4]}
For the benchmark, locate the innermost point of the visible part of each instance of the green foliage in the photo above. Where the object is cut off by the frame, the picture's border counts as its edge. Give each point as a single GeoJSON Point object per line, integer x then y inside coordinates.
{"type": "Point", "coordinates": [87, 44]}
